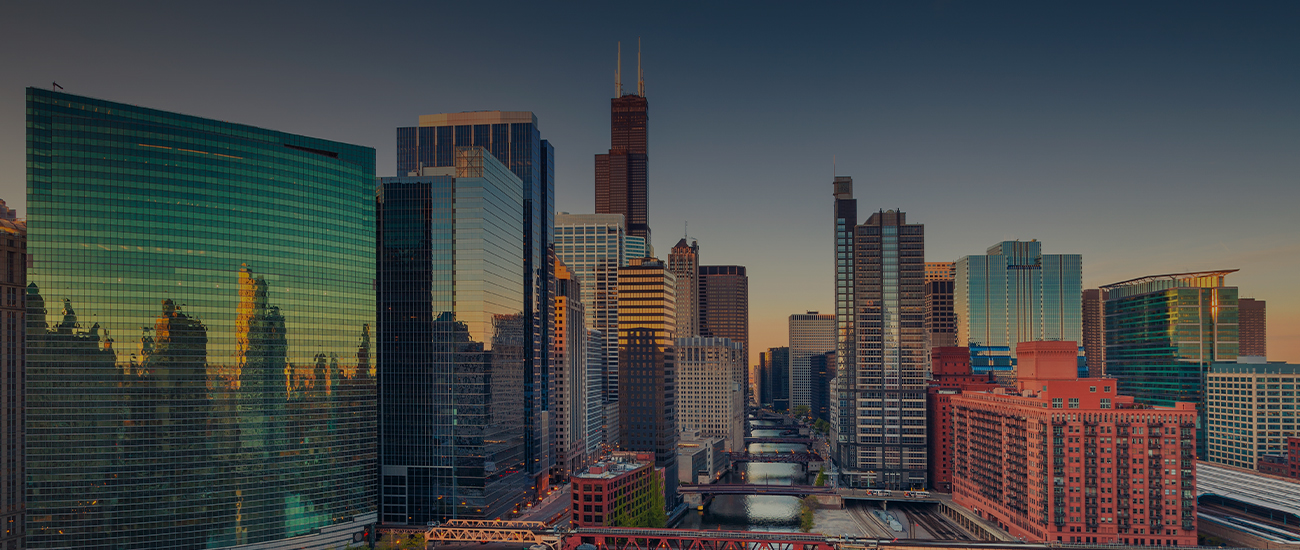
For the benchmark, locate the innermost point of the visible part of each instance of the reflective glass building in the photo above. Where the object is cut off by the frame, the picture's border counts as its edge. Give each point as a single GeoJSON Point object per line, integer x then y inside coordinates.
{"type": "Point", "coordinates": [647, 361]}
{"type": "Point", "coordinates": [843, 441]}
{"type": "Point", "coordinates": [1015, 293]}
{"type": "Point", "coordinates": [513, 138]}
{"type": "Point", "coordinates": [451, 337]}
{"type": "Point", "coordinates": [199, 315]}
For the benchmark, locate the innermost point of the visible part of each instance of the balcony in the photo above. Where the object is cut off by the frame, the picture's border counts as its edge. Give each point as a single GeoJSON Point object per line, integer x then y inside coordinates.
{"type": "Point", "coordinates": [1186, 444]}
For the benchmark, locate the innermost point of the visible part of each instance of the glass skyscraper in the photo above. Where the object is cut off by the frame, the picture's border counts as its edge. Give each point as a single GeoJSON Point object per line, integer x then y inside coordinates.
{"type": "Point", "coordinates": [199, 313]}
{"type": "Point", "coordinates": [843, 439]}
{"type": "Point", "coordinates": [451, 335]}
{"type": "Point", "coordinates": [1164, 331]}
{"type": "Point", "coordinates": [1015, 293]}
{"type": "Point", "coordinates": [514, 139]}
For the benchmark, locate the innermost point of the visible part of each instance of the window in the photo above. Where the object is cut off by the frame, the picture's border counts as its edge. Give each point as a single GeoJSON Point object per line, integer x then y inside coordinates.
{"type": "Point", "coordinates": [1074, 402]}
{"type": "Point", "coordinates": [1056, 402]}
{"type": "Point", "coordinates": [1105, 403]}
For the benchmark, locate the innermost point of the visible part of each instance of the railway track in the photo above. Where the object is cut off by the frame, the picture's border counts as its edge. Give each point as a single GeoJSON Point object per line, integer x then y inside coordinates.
{"type": "Point", "coordinates": [870, 525]}
{"type": "Point", "coordinates": [937, 526]}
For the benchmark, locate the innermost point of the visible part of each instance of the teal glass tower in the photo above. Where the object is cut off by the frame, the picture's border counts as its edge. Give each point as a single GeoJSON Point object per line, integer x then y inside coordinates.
{"type": "Point", "coordinates": [1163, 332]}
{"type": "Point", "coordinates": [1014, 293]}
{"type": "Point", "coordinates": [199, 307]}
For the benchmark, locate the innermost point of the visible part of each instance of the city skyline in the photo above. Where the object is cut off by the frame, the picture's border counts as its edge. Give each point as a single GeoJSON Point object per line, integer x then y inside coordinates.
{"type": "Point", "coordinates": [1142, 124]}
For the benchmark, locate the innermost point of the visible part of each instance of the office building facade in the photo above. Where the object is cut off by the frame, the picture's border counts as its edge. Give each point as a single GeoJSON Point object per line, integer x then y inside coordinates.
{"type": "Point", "coordinates": [201, 375]}
{"type": "Point", "coordinates": [1252, 326]}
{"type": "Point", "coordinates": [596, 434]}
{"type": "Point", "coordinates": [940, 271]}
{"type": "Point", "coordinates": [889, 373]}
{"type": "Point", "coordinates": [1250, 411]}
{"type": "Point", "coordinates": [451, 407]}
{"type": "Point", "coordinates": [710, 391]}
{"type": "Point", "coordinates": [621, 491]}
{"type": "Point", "coordinates": [724, 306]}
{"type": "Point", "coordinates": [775, 364]}
{"type": "Point", "coordinates": [1014, 293]}
{"type": "Point", "coordinates": [684, 262]}
{"type": "Point", "coordinates": [1094, 331]}
{"type": "Point", "coordinates": [843, 436]}
{"type": "Point", "coordinates": [811, 334]}
{"type": "Point", "coordinates": [1062, 459]}
{"type": "Point", "coordinates": [1164, 331]}
{"type": "Point", "coordinates": [821, 373]}
{"type": "Point", "coordinates": [647, 363]}
{"type": "Point", "coordinates": [13, 392]}
{"type": "Point", "coordinates": [622, 174]}
{"type": "Point", "coordinates": [513, 138]}
{"type": "Point", "coordinates": [568, 377]}
{"type": "Point", "coordinates": [940, 320]}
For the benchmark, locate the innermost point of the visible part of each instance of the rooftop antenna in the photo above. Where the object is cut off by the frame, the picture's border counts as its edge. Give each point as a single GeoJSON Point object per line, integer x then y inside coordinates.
{"type": "Point", "coordinates": [640, 77]}
{"type": "Point", "coordinates": [833, 167]}
{"type": "Point", "coordinates": [618, 73]}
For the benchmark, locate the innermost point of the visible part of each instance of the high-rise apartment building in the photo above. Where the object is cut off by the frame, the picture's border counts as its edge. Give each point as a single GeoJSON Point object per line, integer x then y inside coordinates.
{"type": "Point", "coordinates": [1094, 331]}
{"type": "Point", "coordinates": [1164, 331]}
{"type": "Point", "coordinates": [940, 271]}
{"type": "Point", "coordinates": [684, 262]}
{"type": "Point", "coordinates": [13, 310]}
{"type": "Point", "coordinates": [568, 377]}
{"type": "Point", "coordinates": [594, 246]}
{"type": "Point", "coordinates": [451, 334]}
{"type": "Point", "coordinates": [811, 334]}
{"type": "Point", "coordinates": [201, 375]}
{"type": "Point", "coordinates": [513, 138]}
{"type": "Point", "coordinates": [821, 373]}
{"type": "Point", "coordinates": [939, 319]}
{"type": "Point", "coordinates": [1064, 459]}
{"type": "Point", "coordinates": [710, 391]}
{"type": "Point", "coordinates": [887, 387]}
{"type": "Point", "coordinates": [724, 305]}
{"type": "Point", "coordinates": [1250, 411]}
{"type": "Point", "coordinates": [951, 374]}
{"type": "Point", "coordinates": [1252, 328]}
{"type": "Point", "coordinates": [647, 363]}
{"type": "Point", "coordinates": [844, 435]}
{"type": "Point", "coordinates": [1014, 293]}
{"type": "Point", "coordinates": [622, 173]}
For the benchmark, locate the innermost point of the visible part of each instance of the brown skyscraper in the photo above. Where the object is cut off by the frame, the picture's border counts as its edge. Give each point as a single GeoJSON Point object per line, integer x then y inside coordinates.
{"type": "Point", "coordinates": [1251, 327]}
{"type": "Point", "coordinates": [684, 262]}
{"type": "Point", "coordinates": [724, 305]}
{"type": "Point", "coordinates": [621, 174]}
{"type": "Point", "coordinates": [1094, 331]}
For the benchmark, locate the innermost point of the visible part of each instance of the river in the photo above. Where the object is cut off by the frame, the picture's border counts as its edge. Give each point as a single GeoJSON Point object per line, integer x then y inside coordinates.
{"type": "Point", "coordinates": [755, 513]}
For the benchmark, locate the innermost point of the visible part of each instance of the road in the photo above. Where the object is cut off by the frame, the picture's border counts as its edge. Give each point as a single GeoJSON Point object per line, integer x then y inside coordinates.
{"type": "Point", "coordinates": [557, 502]}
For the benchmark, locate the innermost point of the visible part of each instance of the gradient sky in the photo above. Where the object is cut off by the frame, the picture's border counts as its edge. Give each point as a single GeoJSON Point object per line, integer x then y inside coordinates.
{"type": "Point", "coordinates": [1150, 137]}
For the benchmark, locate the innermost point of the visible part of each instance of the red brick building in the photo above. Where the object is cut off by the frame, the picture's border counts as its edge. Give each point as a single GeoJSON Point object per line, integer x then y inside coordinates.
{"type": "Point", "coordinates": [1287, 465]}
{"type": "Point", "coordinates": [617, 491]}
{"type": "Point", "coordinates": [1059, 458]}
{"type": "Point", "coordinates": [950, 368]}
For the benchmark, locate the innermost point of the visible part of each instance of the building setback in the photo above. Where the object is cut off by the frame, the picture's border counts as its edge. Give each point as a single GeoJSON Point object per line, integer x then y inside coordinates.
{"type": "Point", "coordinates": [202, 373]}
{"type": "Point", "coordinates": [811, 334]}
{"type": "Point", "coordinates": [1252, 327]}
{"type": "Point", "coordinates": [622, 174]}
{"type": "Point", "coordinates": [647, 364]}
{"type": "Point", "coordinates": [1251, 411]}
{"type": "Point", "coordinates": [513, 138]}
{"type": "Point", "coordinates": [13, 244]}
{"type": "Point", "coordinates": [1164, 331]}
{"type": "Point", "coordinates": [1094, 331]}
{"type": "Point", "coordinates": [1063, 459]}
{"type": "Point", "coordinates": [1014, 293]}
{"type": "Point", "coordinates": [451, 407]}
{"type": "Point", "coordinates": [710, 392]}
{"type": "Point", "coordinates": [952, 375]}
{"type": "Point", "coordinates": [724, 306]}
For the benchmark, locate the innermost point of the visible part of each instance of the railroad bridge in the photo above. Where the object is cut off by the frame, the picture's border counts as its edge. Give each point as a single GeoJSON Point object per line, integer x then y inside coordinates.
{"type": "Point", "coordinates": [775, 458]}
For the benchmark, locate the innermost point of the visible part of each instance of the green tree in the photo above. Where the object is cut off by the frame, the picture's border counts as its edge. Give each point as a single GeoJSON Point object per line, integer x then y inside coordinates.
{"type": "Point", "coordinates": [801, 410]}
{"type": "Point", "coordinates": [821, 426]}
{"type": "Point", "coordinates": [821, 478]}
{"type": "Point", "coordinates": [806, 513]}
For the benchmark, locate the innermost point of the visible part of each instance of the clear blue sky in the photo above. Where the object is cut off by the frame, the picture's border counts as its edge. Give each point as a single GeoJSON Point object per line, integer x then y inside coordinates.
{"type": "Point", "coordinates": [1149, 137]}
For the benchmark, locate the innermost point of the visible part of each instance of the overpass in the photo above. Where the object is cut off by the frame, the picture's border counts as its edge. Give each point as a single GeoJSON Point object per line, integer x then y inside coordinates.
{"type": "Point", "coordinates": [797, 457]}
{"type": "Point", "coordinates": [782, 440]}
{"type": "Point", "coordinates": [747, 489]}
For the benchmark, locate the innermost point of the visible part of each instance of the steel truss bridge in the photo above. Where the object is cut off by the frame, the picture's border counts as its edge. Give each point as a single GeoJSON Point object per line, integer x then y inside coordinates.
{"type": "Point", "coordinates": [803, 457]}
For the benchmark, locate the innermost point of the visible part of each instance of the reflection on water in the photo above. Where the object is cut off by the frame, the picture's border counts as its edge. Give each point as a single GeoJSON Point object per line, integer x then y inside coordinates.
{"type": "Point", "coordinates": [755, 513]}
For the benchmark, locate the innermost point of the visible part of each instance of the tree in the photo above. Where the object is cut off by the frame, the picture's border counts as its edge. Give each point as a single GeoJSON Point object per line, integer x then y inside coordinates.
{"type": "Point", "coordinates": [806, 513]}
{"type": "Point", "coordinates": [821, 478]}
{"type": "Point", "coordinates": [822, 426]}
{"type": "Point", "coordinates": [801, 410]}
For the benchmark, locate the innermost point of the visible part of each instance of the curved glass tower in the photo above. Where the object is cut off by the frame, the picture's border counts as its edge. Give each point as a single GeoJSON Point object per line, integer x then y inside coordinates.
{"type": "Point", "coordinates": [199, 310]}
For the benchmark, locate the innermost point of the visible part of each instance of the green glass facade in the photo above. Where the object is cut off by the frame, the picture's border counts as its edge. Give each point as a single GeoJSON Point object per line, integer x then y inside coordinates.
{"type": "Point", "coordinates": [198, 327]}
{"type": "Point", "coordinates": [1014, 293]}
{"type": "Point", "coordinates": [1163, 333]}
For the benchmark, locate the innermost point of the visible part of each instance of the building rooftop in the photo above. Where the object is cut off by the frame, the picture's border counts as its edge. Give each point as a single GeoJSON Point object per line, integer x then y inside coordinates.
{"type": "Point", "coordinates": [616, 465]}
{"type": "Point", "coordinates": [1170, 277]}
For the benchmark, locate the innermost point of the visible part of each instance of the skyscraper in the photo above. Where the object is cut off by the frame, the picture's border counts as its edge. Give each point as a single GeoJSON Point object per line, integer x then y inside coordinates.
{"type": "Point", "coordinates": [594, 246]}
{"type": "Point", "coordinates": [13, 245]}
{"type": "Point", "coordinates": [201, 375]}
{"type": "Point", "coordinates": [1164, 331]}
{"type": "Point", "coordinates": [647, 363]}
{"type": "Point", "coordinates": [777, 377]}
{"type": "Point", "coordinates": [1094, 331]}
{"type": "Point", "coordinates": [724, 306]}
{"type": "Point", "coordinates": [1243, 425]}
{"type": "Point", "coordinates": [684, 262]}
{"type": "Point", "coordinates": [568, 377]}
{"type": "Point", "coordinates": [710, 398]}
{"type": "Point", "coordinates": [597, 437]}
{"type": "Point", "coordinates": [821, 372]}
{"type": "Point", "coordinates": [890, 360]}
{"type": "Point", "coordinates": [844, 434]}
{"type": "Point", "coordinates": [811, 334]}
{"type": "Point", "coordinates": [940, 320]}
{"type": "Point", "coordinates": [451, 328]}
{"type": "Point", "coordinates": [622, 173]}
{"type": "Point", "coordinates": [514, 139]}
{"type": "Point", "coordinates": [1253, 327]}
{"type": "Point", "coordinates": [1014, 293]}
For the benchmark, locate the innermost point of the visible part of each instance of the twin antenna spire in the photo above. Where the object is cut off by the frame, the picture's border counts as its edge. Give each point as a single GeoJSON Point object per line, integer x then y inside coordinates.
{"type": "Point", "coordinates": [618, 73]}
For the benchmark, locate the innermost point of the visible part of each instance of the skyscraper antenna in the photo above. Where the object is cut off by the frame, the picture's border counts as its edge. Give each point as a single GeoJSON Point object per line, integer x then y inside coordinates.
{"type": "Point", "coordinates": [834, 168]}
{"type": "Point", "coordinates": [640, 77]}
{"type": "Point", "coordinates": [618, 73]}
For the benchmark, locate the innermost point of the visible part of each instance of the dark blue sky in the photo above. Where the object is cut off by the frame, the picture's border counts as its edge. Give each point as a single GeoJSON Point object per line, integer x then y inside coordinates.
{"type": "Point", "coordinates": [1151, 138]}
